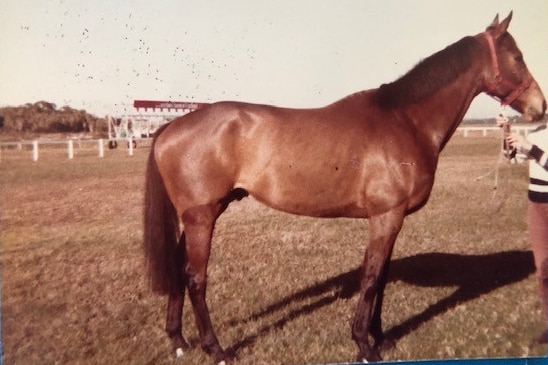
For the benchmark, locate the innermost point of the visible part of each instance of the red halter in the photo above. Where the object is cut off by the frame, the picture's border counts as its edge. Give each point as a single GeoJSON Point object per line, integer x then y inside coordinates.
{"type": "Point", "coordinates": [517, 90]}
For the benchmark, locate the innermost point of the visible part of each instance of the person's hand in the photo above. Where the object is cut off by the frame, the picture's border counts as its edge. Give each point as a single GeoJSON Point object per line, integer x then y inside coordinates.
{"type": "Point", "coordinates": [501, 121]}
{"type": "Point", "coordinates": [519, 142]}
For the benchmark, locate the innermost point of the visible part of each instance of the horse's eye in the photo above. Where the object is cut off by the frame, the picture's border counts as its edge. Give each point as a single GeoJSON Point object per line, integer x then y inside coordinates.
{"type": "Point", "coordinates": [518, 58]}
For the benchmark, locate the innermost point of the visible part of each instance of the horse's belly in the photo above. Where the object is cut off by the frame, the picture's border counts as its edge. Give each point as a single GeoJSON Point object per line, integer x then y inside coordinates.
{"type": "Point", "coordinates": [313, 207]}
{"type": "Point", "coordinates": [305, 192]}
{"type": "Point", "coordinates": [336, 190]}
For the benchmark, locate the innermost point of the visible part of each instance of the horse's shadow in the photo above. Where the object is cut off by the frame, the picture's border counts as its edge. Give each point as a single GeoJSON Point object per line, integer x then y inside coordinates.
{"type": "Point", "coordinates": [473, 275]}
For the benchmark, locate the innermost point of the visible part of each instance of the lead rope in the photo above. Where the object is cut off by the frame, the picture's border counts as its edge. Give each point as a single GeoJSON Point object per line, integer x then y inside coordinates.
{"type": "Point", "coordinates": [505, 153]}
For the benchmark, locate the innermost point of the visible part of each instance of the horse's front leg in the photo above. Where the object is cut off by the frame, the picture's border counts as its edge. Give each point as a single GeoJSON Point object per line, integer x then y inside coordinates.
{"type": "Point", "coordinates": [384, 229]}
{"type": "Point", "coordinates": [375, 329]}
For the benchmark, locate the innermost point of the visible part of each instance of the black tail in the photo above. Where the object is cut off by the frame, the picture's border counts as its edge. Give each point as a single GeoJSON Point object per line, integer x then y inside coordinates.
{"type": "Point", "coordinates": [161, 233]}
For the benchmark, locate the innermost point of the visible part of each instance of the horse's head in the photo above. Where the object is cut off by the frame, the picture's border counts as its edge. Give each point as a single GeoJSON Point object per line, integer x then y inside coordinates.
{"type": "Point", "coordinates": [507, 77]}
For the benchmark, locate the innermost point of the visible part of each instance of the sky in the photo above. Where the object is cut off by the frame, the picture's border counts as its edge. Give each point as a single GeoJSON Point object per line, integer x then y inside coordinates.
{"type": "Point", "coordinates": [100, 55]}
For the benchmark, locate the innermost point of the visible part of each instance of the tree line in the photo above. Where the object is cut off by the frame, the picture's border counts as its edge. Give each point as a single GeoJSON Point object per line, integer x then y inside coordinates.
{"type": "Point", "coordinates": [45, 117]}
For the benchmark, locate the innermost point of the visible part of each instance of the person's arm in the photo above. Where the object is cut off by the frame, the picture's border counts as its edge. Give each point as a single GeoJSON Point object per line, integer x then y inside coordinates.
{"type": "Point", "coordinates": [539, 155]}
{"type": "Point", "coordinates": [531, 150]}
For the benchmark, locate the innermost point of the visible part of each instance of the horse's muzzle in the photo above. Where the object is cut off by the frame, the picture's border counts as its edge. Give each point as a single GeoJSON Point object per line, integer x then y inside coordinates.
{"type": "Point", "coordinates": [535, 113]}
{"type": "Point", "coordinates": [533, 104]}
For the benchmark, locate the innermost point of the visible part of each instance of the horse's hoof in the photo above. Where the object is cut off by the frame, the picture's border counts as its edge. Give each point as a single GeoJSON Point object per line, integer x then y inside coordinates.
{"type": "Point", "coordinates": [224, 362]}
{"type": "Point", "coordinates": [179, 344]}
{"type": "Point", "coordinates": [225, 357]}
{"type": "Point", "coordinates": [372, 356]}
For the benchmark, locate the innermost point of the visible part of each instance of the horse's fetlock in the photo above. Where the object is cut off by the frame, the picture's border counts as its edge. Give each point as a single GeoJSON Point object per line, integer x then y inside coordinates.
{"type": "Point", "coordinates": [173, 330]}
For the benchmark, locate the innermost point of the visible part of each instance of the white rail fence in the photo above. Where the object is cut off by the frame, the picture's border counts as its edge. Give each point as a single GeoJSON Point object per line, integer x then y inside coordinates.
{"type": "Point", "coordinates": [70, 145]}
{"type": "Point", "coordinates": [485, 131]}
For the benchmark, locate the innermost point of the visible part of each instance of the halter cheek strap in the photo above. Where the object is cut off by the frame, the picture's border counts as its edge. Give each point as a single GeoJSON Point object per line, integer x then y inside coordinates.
{"type": "Point", "coordinates": [517, 90]}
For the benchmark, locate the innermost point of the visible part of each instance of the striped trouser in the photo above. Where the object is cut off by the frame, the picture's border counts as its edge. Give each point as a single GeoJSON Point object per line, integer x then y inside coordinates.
{"type": "Point", "coordinates": [537, 217]}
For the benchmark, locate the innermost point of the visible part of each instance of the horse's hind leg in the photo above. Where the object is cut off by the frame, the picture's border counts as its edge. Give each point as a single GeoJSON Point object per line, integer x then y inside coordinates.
{"type": "Point", "coordinates": [199, 222]}
{"type": "Point", "coordinates": [174, 324]}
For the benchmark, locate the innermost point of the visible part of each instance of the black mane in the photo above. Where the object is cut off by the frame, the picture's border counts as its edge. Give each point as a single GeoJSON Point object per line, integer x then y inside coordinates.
{"type": "Point", "coordinates": [429, 76]}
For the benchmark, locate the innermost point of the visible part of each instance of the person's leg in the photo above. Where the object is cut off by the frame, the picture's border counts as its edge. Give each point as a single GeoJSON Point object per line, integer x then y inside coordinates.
{"type": "Point", "coordinates": [537, 217]}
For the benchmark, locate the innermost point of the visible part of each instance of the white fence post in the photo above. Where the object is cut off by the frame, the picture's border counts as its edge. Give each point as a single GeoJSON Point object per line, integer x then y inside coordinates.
{"type": "Point", "coordinates": [70, 149]}
{"type": "Point", "coordinates": [130, 146]}
{"type": "Point", "coordinates": [101, 148]}
{"type": "Point", "coordinates": [35, 150]}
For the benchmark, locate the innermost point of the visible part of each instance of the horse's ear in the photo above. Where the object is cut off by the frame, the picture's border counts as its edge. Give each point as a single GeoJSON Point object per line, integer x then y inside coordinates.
{"type": "Point", "coordinates": [494, 24]}
{"type": "Point", "coordinates": [500, 28]}
{"type": "Point", "coordinates": [503, 27]}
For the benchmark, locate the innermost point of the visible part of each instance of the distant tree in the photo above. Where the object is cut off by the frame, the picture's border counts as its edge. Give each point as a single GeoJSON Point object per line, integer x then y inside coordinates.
{"type": "Point", "coordinates": [44, 117]}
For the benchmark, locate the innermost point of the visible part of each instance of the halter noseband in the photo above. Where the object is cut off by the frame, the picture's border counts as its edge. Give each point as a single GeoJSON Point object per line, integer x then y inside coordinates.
{"type": "Point", "coordinates": [517, 90]}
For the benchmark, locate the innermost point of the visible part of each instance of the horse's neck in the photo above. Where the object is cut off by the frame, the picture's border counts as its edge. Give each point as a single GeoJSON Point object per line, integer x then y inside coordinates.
{"type": "Point", "coordinates": [439, 117]}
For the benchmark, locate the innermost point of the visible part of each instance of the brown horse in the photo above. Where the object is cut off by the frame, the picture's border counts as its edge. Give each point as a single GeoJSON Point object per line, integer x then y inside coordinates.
{"type": "Point", "coordinates": [370, 155]}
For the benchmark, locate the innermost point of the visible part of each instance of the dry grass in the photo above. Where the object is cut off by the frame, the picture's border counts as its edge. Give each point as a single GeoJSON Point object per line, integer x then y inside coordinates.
{"type": "Point", "coordinates": [282, 288]}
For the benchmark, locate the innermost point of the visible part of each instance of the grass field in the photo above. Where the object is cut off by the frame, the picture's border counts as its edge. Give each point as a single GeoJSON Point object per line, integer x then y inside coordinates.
{"type": "Point", "coordinates": [282, 289]}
